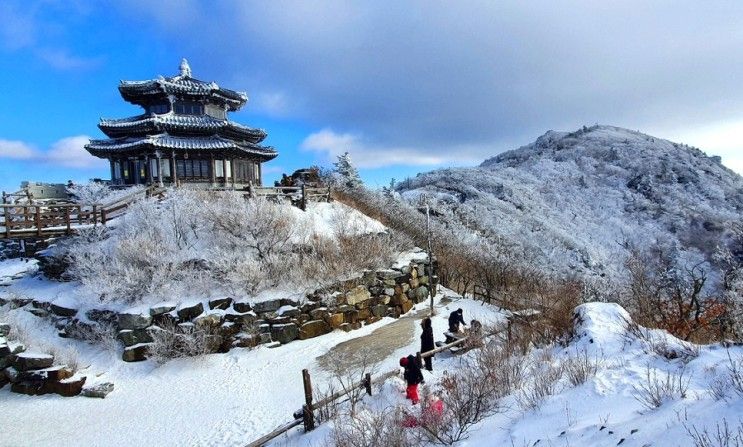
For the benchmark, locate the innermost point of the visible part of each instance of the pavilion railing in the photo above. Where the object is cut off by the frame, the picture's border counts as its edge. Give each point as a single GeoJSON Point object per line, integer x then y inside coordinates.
{"type": "Point", "coordinates": [54, 219]}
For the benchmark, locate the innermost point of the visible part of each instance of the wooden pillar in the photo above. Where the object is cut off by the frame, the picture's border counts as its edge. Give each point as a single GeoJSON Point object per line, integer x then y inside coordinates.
{"type": "Point", "coordinates": [173, 172]}
{"type": "Point", "coordinates": [113, 170]}
{"type": "Point", "coordinates": [212, 170]}
{"type": "Point", "coordinates": [308, 414]}
{"type": "Point", "coordinates": [159, 169]}
{"type": "Point", "coordinates": [260, 175]}
{"type": "Point", "coordinates": [135, 165]}
{"type": "Point", "coordinates": [232, 171]}
{"type": "Point", "coordinates": [224, 170]}
{"type": "Point", "coordinates": [148, 169]}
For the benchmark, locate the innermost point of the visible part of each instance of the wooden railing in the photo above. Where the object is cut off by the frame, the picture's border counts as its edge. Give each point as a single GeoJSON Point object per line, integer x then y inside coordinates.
{"type": "Point", "coordinates": [299, 195]}
{"type": "Point", "coordinates": [306, 415]}
{"type": "Point", "coordinates": [40, 219]}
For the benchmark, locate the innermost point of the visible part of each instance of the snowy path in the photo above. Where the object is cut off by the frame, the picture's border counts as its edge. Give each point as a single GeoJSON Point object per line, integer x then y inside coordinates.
{"type": "Point", "coordinates": [381, 343]}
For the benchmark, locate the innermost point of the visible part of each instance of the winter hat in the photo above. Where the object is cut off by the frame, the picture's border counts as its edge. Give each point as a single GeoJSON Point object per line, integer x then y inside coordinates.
{"type": "Point", "coordinates": [404, 362]}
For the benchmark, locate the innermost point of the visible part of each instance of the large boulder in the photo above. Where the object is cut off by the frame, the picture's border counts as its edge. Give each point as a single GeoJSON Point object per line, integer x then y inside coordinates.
{"type": "Point", "coordinates": [313, 329]}
{"type": "Point", "coordinates": [288, 311]}
{"type": "Point", "coordinates": [244, 319]}
{"type": "Point", "coordinates": [210, 319]}
{"type": "Point", "coordinates": [161, 308]}
{"type": "Point", "coordinates": [131, 337]}
{"type": "Point", "coordinates": [189, 311]}
{"type": "Point", "coordinates": [358, 294]}
{"type": "Point", "coordinates": [68, 387]}
{"type": "Point", "coordinates": [4, 329]}
{"type": "Point", "coordinates": [380, 310]}
{"type": "Point", "coordinates": [99, 390]}
{"type": "Point", "coordinates": [321, 313]}
{"type": "Point", "coordinates": [134, 319]}
{"type": "Point", "coordinates": [102, 316]}
{"type": "Point", "coordinates": [136, 353]}
{"type": "Point", "coordinates": [421, 294]}
{"type": "Point", "coordinates": [388, 274]}
{"type": "Point", "coordinates": [64, 307]}
{"type": "Point", "coordinates": [220, 303]}
{"type": "Point", "coordinates": [336, 320]}
{"type": "Point", "coordinates": [242, 306]}
{"type": "Point", "coordinates": [54, 373]}
{"type": "Point", "coordinates": [26, 361]}
{"type": "Point", "coordinates": [266, 306]}
{"type": "Point", "coordinates": [284, 333]}
{"type": "Point", "coordinates": [405, 306]}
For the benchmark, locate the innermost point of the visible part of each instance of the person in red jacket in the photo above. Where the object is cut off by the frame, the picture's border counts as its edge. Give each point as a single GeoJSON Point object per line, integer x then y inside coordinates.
{"type": "Point", "coordinates": [413, 376]}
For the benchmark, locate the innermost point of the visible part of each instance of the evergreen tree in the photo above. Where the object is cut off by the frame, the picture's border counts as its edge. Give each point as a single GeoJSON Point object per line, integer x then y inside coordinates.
{"type": "Point", "coordinates": [347, 172]}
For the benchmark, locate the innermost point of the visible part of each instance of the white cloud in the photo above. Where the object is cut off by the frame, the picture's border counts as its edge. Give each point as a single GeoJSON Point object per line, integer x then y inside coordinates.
{"type": "Point", "coordinates": [724, 139]}
{"type": "Point", "coordinates": [17, 150]}
{"type": "Point", "coordinates": [365, 155]}
{"type": "Point", "coordinates": [67, 152]}
{"type": "Point", "coordinates": [70, 153]}
{"type": "Point", "coordinates": [61, 59]}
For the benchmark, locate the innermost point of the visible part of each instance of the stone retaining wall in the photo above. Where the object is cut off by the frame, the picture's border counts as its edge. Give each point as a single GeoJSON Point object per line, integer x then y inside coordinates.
{"type": "Point", "coordinates": [231, 322]}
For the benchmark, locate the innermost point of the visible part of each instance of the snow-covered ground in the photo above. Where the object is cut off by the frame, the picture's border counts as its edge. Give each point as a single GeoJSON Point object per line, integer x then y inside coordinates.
{"type": "Point", "coordinates": [220, 399]}
{"type": "Point", "coordinates": [606, 410]}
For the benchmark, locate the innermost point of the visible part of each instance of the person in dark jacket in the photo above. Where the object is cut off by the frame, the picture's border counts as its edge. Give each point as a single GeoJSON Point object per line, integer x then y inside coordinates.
{"type": "Point", "coordinates": [413, 376]}
{"type": "Point", "coordinates": [455, 319]}
{"type": "Point", "coordinates": [427, 342]}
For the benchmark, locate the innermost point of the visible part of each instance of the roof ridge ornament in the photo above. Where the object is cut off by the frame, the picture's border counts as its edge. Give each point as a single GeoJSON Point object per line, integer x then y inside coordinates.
{"type": "Point", "coordinates": [185, 68]}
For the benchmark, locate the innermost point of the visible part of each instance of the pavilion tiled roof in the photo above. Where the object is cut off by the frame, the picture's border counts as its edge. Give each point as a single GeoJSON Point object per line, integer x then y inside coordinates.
{"type": "Point", "coordinates": [181, 85]}
{"type": "Point", "coordinates": [102, 148]}
{"type": "Point", "coordinates": [170, 121]}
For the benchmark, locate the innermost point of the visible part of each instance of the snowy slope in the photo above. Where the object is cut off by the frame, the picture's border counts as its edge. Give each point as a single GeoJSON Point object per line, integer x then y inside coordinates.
{"type": "Point", "coordinates": [605, 410]}
{"type": "Point", "coordinates": [574, 203]}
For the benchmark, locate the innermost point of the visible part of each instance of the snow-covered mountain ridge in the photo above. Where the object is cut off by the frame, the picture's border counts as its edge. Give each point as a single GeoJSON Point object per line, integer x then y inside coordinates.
{"type": "Point", "coordinates": [577, 203]}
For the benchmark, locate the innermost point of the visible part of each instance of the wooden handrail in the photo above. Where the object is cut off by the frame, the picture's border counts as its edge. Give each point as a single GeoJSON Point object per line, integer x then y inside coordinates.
{"type": "Point", "coordinates": [365, 382]}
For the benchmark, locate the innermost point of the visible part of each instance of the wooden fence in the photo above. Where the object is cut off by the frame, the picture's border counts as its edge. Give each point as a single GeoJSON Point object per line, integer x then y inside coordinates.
{"type": "Point", "coordinates": [298, 195]}
{"type": "Point", "coordinates": [55, 219]}
{"type": "Point", "coordinates": [306, 416]}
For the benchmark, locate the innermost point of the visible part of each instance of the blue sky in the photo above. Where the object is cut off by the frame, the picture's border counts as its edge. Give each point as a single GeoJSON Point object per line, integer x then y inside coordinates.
{"type": "Point", "coordinates": [404, 87]}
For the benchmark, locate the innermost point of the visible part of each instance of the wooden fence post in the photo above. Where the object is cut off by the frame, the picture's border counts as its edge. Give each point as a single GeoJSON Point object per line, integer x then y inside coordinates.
{"type": "Point", "coordinates": [303, 203]}
{"type": "Point", "coordinates": [7, 221]}
{"type": "Point", "coordinates": [103, 216]}
{"type": "Point", "coordinates": [67, 219]}
{"type": "Point", "coordinates": [95, 215]}
{"type": "Point", "coordinates": [37, 220]}
{"type": "Point", "coordinates": [368, 383]}
{"type": "Point", "coordinates": [308, 413]}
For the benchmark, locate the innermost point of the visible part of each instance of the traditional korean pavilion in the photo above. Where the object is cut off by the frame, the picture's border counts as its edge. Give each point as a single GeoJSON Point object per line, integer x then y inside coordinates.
{"type": "Point", "coordinates": [183, 137]}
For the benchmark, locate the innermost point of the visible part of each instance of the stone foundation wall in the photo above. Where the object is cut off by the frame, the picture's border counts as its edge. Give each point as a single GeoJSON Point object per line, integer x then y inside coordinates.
{"type": "Point", "coordinates": [230, 322]}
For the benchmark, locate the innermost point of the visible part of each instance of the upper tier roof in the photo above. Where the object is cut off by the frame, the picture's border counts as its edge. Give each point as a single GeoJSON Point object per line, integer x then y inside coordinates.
{"type": "Point", "coordinates": [182, 85]}
{"type": "Point", "coordinates": [214, 143]}
{"type": "Point", "coordinates": [174, 123]}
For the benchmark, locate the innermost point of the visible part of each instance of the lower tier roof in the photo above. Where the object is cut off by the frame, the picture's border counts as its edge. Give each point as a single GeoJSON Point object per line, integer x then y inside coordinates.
{"type": "Point", "coordinates": [150, 143]}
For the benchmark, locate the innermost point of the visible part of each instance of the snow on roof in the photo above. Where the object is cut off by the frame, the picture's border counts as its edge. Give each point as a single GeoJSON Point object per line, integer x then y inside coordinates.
{"type": "Point", "coordinates": [165, 141]}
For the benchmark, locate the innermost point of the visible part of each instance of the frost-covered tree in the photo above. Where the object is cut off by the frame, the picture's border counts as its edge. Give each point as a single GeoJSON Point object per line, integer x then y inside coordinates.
{"type": "Point", "coordinates": [346, 172]}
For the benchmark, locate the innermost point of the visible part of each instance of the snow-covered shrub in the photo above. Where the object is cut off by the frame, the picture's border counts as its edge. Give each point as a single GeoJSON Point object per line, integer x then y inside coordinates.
{"type": "Point", "coordinates": [99, 193]}
{"type": "Point", "coordinates": [543, 379]}
{"type": "Point", "coordinates": [580, 367]}
{"type": "Point", "coordinates": [200, 243]}
{"type": "Point", "coordinates": [373, 429]}
{"type": "Point", "coordinates": [172, 342]}
{"type": "Point", "coordinates": [471, 394]}
{"type": "Point", "coordinates": [722, 436]}
{"type": "Point", "coordinates": [653, 391]}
